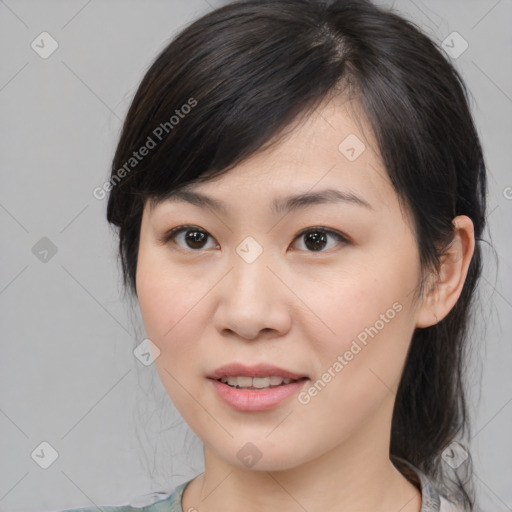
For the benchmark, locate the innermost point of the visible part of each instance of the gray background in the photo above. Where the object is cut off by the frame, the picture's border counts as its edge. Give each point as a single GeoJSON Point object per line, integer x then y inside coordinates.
{"type": "Point", "coordinates": [68, 375]}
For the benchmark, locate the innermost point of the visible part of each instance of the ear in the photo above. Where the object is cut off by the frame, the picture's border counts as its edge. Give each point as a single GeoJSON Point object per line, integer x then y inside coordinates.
{"type": "Point", "coordinates": [446, 286]}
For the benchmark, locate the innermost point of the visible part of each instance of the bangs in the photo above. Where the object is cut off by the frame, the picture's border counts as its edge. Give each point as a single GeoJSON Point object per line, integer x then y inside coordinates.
{"type": "Point", "coordinates": [225, 88]}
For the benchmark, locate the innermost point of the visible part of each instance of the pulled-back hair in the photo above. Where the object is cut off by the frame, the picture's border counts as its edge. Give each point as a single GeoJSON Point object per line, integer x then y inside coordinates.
{"type": "Point", "coordinates": [233, 80]}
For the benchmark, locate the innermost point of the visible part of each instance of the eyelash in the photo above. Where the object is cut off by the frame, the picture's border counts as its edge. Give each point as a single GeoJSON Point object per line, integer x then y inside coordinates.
{"type": "Point", "coordinates": [171, 234]}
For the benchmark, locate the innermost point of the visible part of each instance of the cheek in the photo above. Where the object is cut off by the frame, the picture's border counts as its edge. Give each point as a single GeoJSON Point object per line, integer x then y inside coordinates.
{"type": "Point", "coordinates": [166, 296]}
{"type": "Point", "coordinates": [168, 304]}
{"type": "Point", "coordinates": [368, 320]}
{"type": "Point", "coordinates": [359, 366]}
{"type": "Point", "coordinates": [363, 304]}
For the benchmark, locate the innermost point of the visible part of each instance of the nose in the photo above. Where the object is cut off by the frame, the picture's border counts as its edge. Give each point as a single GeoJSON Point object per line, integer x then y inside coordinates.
{"type": "Point", "coordinates": [252, 302]}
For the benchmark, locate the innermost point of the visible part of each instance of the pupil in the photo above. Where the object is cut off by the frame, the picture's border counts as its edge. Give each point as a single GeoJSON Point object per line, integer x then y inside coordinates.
{"type": "Point", "coordinates": [193, 237]}
{"type": "Point", "coordinates": [318, 240]}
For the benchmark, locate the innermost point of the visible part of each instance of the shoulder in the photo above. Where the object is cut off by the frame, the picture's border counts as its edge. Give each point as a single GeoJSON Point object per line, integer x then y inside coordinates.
{"type": "Point", "coordinates": [432, 500]}
{"type": "Point", "coordinates": [153, 502]}
{"type": "Point", "coordinates": [448, 506]}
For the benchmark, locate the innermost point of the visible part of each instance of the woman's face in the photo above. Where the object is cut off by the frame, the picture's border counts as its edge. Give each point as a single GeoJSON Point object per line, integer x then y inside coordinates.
{"type": "Point", "coordinates": [322, 286]}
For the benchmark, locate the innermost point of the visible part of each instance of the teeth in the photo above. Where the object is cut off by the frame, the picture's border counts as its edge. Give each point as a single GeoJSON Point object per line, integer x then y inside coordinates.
{"type": "Point", "coordinates": [261, 382]}
{"type": "Point", "coordinates": [244, 382]}
{"type": "Point", "coordinates": [255, 382]}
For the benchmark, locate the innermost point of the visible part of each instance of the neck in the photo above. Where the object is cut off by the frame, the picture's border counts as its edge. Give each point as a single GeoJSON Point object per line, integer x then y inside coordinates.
{"type": "Point", "coordinates": [355, 475]}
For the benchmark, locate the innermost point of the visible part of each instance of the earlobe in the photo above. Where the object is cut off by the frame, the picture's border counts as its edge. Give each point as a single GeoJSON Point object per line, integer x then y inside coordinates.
{"type": "Point", "coordinates": [447, 284]}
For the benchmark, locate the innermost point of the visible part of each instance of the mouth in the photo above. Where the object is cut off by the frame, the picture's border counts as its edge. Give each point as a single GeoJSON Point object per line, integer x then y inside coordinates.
{"type": "Point", "coordinates": [256, 383]}
{"type": "Point", "coordinates": [255, 388]}
{"type": "Point", "coordinates": [258, 376]}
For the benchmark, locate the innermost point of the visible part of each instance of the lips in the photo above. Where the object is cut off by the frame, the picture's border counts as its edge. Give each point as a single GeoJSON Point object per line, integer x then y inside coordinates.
{"type": "Point", "coordinates": [261, 395]}
{"type": "Point", "coordinates": [260, 370]}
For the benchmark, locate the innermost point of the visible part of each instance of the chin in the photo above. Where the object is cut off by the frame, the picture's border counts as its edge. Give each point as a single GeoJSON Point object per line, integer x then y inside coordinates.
{"type": "Point", "coordinates": [263, 455]}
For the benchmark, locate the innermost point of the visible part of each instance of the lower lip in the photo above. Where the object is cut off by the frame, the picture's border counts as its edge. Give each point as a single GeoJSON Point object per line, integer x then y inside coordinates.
{"type": "Point", "coordinates": [256, 400]}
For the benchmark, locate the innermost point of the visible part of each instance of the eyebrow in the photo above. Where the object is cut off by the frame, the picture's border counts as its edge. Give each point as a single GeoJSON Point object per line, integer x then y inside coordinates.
{"type": "Point", "coordinates": [279, 205]}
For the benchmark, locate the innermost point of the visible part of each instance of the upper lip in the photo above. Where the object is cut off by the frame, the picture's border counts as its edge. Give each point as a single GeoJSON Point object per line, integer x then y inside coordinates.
{"type": "Point", "coordinates": [259, 370]}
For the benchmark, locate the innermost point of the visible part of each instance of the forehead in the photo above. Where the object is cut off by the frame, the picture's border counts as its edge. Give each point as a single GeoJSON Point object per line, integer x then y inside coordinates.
{"type": "Point", "coordinates": [329, 148]}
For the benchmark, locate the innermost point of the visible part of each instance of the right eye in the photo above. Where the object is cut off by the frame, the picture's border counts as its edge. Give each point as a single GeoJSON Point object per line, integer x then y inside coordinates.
{"type": "Point", "coordinates": [191, 237]}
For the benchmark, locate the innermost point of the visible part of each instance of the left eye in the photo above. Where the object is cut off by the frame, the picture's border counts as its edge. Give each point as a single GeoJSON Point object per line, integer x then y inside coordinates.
{"type": "Point", "coordinates": [194, 237]}
{"type": "Point", "coordinates": [314, 239]}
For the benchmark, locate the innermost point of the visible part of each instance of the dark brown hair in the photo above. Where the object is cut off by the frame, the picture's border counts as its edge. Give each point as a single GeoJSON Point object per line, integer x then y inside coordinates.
{"type": "Point", "coordinates": [228, 85]}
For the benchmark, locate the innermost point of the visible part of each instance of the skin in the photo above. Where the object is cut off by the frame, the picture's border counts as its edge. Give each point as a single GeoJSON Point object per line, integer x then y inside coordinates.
{"type": "Point", "coordinates": [298, 309]}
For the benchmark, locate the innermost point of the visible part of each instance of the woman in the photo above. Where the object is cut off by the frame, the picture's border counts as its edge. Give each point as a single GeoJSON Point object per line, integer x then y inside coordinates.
{"type": "Point", "coordinates": [300, 192]}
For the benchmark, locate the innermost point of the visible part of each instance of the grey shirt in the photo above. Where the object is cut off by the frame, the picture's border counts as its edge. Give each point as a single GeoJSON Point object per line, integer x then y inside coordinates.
{"type": "Point", "coordinates": [431, 499]}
